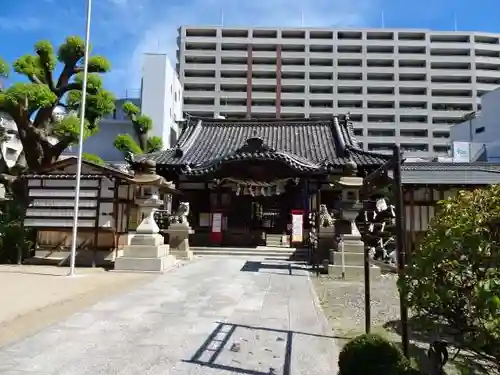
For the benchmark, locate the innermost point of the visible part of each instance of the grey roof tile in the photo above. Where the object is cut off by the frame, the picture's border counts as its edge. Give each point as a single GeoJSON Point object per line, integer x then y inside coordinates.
{"type": "Point", "coordinates": [435, 173]}
{"type": "Point", "coordinates": [305, 144]}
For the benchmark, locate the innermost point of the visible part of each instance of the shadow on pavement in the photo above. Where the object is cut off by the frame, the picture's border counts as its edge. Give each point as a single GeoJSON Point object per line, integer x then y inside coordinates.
{"type": "Point", "coordinates": [209, 351]}
{"type": "Point", "coordinates": [256, 266]}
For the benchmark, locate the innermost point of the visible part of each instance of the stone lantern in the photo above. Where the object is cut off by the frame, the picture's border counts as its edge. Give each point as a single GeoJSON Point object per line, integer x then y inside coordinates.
{"type": "Point", "coordinates": [147, 250]}
{"type": "Point", "coordinates": [348, 262]}
{"type": "Point", "coordinates": [350, 205]}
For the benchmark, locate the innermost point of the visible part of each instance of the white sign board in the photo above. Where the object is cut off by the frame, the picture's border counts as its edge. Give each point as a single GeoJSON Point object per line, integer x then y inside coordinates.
{"type": "Point", "coordinates": [217, 222]}
{"type": "Point", "coordinates": [461, 152]}
{"type": "Point", "coordinates": [297, 224]}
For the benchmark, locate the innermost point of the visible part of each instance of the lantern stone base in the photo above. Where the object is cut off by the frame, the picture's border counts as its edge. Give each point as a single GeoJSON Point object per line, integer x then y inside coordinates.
{"type": "Point", "coordinates": [146, 253]}
{"type": "Point", "coordinates": [352, 273]}
{"type": "Point", "coordinates": [354, 253]}
{"type": "Point", "coordinates": [179, 240]}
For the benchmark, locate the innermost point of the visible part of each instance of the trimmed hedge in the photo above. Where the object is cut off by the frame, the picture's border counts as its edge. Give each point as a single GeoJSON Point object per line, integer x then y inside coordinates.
{"type": "Point", "coordinates": [372, 354]}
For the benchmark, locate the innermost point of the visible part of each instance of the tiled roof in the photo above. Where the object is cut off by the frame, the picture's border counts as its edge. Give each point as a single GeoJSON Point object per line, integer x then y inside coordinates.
{"type": "Point", "coordinates": [434, 173]}
{"type": "Point", "coordinates": [107, 169]}
{"type": "Point", "coordinates": [305, 144]}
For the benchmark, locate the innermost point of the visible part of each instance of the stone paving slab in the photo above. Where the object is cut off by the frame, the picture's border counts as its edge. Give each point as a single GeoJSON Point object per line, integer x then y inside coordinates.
{"type": "Point", "coordinates": [208, 317]}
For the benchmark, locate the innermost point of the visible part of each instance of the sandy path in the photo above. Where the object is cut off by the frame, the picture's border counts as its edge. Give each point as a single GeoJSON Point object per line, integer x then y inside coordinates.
{"type": "Point", "coordinates": [33, 297]}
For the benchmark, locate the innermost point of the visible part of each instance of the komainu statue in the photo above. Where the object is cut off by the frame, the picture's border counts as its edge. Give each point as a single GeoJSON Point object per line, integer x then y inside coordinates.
{"type": "Point", "coordinates": [181, 214]}
{"type": "Point", "coordinates": [325, 219]}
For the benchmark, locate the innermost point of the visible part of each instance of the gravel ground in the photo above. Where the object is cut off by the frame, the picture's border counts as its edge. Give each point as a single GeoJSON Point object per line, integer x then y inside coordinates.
{"type": "Point", "coordinates": [343, 303]}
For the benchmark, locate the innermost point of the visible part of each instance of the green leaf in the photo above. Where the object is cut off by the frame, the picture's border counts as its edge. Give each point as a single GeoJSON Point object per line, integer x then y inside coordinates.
{"type": "Point", "coordinates": [93, 158]}
{"type": "Point", "coordinates": [30, 66]}
{"type": "Point", "coordinates": [126, 143]}
{"type": "Point", "coordinates": [98, 64]}
{"type": "Point", "coordinates": [45, 51]}
{"type": "Point", "coordinates": [155, 143]}
{"type": "Point", "coordinates": [34, 95]}
{"type": "Point", "coordinates": [143, 123]}
{"type": "Point", "coordinates": [130, 109]}
{"type": "Point", "coordinates": [4, 68]}
{"type": "Point", "coordinates": [72, 50]}
{"type": "Point", "coordinates": [69, 127]}
{"type": "Point", "coordinates": [453, 280]}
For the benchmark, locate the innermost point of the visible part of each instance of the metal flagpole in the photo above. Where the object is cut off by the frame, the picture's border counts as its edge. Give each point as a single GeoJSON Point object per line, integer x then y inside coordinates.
{"type": "Point", "coordinates": [80, 140]}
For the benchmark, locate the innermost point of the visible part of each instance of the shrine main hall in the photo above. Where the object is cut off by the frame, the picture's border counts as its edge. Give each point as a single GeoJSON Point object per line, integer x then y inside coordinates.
{"type": "Point", "coordinates": [249, 175]}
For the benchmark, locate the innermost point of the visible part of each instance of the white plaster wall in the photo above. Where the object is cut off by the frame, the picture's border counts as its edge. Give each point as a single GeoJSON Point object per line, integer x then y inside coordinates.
{"type": "Point", "coordinates": [484, 130]}
{"type": "Point", "coordinates": [161, 95]}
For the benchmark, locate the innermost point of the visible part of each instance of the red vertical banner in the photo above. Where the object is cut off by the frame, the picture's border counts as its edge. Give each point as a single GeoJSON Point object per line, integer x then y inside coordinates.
{"type": "Point", "coordinates": [297, 226]}
{"type": "Point", "coordinates": [216, 228]}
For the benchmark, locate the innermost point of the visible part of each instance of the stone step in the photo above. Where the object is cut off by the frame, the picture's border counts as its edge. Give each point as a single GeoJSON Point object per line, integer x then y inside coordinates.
{"type": "Point", "coordinates": [277, 244]}
{"type": "Point", "coordinates": [126, 264]}
{"type": "Point", "coordinates": [62, 257]}
{"type": "Point", "coordinates": [352, 273]}
{"type": "Point", "coordinates": [351, 259]}
{"type": "Point", "coordinates": [260, 251]}
{"type": "Point", "coordinates": [353, 247]}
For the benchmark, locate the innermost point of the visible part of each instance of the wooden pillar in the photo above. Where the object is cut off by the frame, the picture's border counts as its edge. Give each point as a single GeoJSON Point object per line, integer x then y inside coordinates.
{"type": "Point", "coordinates": [96, 228]}
{"type": "Point", "coordinates": [116, 209]}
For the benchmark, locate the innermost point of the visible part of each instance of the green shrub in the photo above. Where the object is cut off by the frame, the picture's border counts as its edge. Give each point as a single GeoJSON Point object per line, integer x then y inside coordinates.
{"type": "Point", "coordinates": [14, 239]}
{"type": "Point", "coordinates": [453, 282]}
{"type": "Point", "coordinates": [372, 354]}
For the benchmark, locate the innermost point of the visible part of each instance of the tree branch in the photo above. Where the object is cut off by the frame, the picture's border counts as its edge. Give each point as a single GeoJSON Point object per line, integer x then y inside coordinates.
{"type": "Point", "coordinates": [57, 149]}
{"type": "Point", "coordinates": [68, 87]}
{"type": "Point", "coordinates": [47, 73]}
{"type": "Point", "coordinates": [33, 78]}
{"type": "Point", "coordinates": [43, 116]}
{"type": "Point", "coordinates": [66, 74]}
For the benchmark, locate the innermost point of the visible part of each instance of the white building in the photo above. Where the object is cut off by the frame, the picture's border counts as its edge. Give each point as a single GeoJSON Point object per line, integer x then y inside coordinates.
{"type": "Point", "coordinates": [478, 137]}
{"type": "Point", "coordinates": [406, 86]}
{"type": "Point", "coordinates": [160, 99]}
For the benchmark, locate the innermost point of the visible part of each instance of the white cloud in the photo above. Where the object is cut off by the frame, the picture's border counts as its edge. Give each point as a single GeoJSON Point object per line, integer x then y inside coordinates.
{"type": "Point", "coordinates": [152, 25]}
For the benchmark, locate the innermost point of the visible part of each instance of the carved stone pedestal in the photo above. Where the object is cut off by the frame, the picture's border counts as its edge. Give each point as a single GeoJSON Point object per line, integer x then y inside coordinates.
{"type": "Point", "coordinates": [179, 240]}
{"type": "Point", "coordinates": [147, 251]}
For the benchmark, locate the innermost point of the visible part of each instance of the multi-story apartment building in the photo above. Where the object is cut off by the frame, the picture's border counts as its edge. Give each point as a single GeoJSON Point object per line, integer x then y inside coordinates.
{"type": "Point", "coordinates": [405, 86]}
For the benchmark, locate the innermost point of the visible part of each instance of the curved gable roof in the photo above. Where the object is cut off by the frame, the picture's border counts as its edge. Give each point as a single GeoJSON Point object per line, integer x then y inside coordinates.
{"type": "Point", "coordinates": [304, 144]}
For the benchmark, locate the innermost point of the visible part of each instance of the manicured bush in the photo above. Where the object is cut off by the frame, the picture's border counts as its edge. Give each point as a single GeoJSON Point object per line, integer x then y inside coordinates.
{"type": "Point", "coordinates": [372, 354]}
{"type": "Point", "coordinates": [452, 282]}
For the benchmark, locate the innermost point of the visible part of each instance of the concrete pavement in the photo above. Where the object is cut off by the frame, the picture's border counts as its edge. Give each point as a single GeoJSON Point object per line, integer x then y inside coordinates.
{"type": "Point", "coordinates": [211, 316]}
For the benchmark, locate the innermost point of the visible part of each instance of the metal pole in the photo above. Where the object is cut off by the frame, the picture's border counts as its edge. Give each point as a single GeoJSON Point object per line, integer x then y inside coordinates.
{"type": "Point", "coordinates": [80, 140]}
{"type": "Point", "coordinates": [471, 137]}
{"type": "Point", "coordinates": [342, 252]}
{"type": "Point", "coordinates": [400, 243]}
{"type": "Point", "coordinates": [368, 313]}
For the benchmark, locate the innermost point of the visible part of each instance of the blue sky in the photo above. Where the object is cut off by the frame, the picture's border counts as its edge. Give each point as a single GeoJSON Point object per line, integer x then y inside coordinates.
{"type": "Point", "coordinates": [123, 30]}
